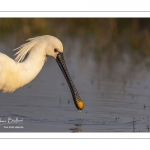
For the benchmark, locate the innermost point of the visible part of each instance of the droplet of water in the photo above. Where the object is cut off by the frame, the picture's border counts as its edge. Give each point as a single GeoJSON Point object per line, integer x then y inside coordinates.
{"type": "Point", "coordinates": [80, 111]}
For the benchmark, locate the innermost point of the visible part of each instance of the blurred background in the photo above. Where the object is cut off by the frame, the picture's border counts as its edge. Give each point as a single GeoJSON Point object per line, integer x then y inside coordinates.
{"type": "Point", "coordinates": [109, 62]}
{"type": "Point", "coordinates": [118, 38]}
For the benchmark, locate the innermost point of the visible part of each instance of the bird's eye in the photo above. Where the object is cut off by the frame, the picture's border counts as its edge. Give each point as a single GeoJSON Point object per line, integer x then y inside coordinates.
{"type": "Point", "coordinates": [55, 50]}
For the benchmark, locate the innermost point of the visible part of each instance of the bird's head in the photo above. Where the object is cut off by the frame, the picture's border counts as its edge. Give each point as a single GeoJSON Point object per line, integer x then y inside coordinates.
{"type": "Point", "coordinates": [55, 49]}
{"type": "Point", "coordinates": [53, 46]}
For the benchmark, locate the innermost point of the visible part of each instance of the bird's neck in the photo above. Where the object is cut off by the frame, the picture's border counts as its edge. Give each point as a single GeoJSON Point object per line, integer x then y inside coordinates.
{"type": "Point", "coordinates": [30, 68]}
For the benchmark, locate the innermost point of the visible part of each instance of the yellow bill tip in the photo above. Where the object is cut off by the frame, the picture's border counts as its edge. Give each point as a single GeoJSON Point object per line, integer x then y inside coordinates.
{"type": "Point", "coordinates": [80, 105]}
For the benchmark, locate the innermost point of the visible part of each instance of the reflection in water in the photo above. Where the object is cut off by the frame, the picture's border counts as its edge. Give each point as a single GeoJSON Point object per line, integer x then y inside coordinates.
{"type": "Point", "coordinates": [77, 128]}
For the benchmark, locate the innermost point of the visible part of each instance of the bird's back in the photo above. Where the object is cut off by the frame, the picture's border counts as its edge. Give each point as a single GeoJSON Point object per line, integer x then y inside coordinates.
{"type": "Point", "coordinates": [8, 75]}
{"type": "Point", "coordinates": [15, 74]}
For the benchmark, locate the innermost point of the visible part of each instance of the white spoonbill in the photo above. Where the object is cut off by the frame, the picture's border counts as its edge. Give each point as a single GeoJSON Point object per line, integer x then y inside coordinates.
{"type": "Point", "coordinates": [15, 74]}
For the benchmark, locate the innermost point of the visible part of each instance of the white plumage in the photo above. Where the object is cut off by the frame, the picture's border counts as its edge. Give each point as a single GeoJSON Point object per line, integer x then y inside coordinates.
{"type": "Point", "coordinates": [15, 74]}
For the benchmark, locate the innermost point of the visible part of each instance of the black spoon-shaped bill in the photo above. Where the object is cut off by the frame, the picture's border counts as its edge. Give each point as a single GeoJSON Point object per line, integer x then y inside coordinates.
{"type": "Point", "coordinates": [77, 100]}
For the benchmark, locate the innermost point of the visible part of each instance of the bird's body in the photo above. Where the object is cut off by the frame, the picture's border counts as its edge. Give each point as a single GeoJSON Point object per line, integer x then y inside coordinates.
{"type": "Point", "coordinates": [16, 73]}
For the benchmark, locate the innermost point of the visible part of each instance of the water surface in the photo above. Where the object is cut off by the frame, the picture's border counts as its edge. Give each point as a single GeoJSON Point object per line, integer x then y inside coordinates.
{"type": "Point", "coordinates": [117, 98]}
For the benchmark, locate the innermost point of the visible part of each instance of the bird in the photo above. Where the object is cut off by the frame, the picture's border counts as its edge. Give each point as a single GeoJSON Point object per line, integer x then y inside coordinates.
{"type": "Point", "coordinates": [30, 58]}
